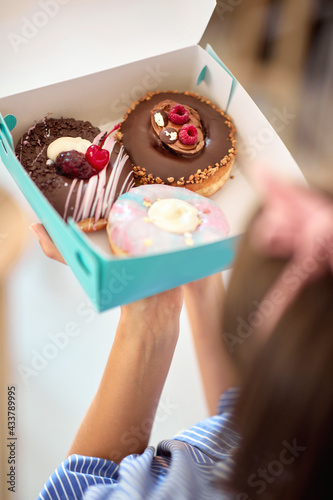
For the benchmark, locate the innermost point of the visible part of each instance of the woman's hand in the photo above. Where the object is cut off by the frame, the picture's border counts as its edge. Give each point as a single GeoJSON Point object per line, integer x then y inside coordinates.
{"type": "Point", "coordinates": [121, 415]}
{"type": "Point", "coordinates": [46, 243]}
{"type": "Point", "coordinates": [119, 420]}
{"type": "Point", "coordinates": [156, 314]}
{"type": "Point", "coordinates": [204, 301]}
{"type": "Point", "coordinates": [159, 309]}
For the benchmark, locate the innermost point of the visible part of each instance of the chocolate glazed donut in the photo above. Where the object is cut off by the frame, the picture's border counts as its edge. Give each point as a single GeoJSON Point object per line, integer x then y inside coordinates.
{"type": "Point", "coordinates": [88, 201]}
{"type": "Point", "coordinates": [204, 169]}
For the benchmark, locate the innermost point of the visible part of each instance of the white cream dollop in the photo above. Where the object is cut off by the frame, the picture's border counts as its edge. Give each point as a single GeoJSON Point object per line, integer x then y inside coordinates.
{"type": "Point", "coordinates": [63, 144]}
{"type": "Point", "coordinates": [174, 216]}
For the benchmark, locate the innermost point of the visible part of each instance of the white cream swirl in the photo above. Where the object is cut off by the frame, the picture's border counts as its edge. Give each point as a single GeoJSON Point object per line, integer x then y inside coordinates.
{"type": "Point", "coordinates": [63, 144]}
{"type": "Point", "coordinates": [174, 216]}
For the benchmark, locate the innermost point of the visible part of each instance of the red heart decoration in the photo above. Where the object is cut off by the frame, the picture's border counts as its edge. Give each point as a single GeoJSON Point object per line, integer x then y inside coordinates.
{"type": "Point", "coordinates": [97, 157]}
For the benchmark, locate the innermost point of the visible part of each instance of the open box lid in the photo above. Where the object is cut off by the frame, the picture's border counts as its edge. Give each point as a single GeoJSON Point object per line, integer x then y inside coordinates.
{"type": "Point", "coordinates": [96, 271]}
{"type": "Point", "coordinates": [57, 40]}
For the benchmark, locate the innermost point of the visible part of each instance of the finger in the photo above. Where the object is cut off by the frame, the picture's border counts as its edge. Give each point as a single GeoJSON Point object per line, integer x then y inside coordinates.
{"type": "Point", "coordinates": [48, 247]}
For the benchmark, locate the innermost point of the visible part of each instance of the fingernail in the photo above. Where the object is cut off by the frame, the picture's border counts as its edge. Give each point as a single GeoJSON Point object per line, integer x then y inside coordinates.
{"type": "Point", "coordinates": [34, 228]}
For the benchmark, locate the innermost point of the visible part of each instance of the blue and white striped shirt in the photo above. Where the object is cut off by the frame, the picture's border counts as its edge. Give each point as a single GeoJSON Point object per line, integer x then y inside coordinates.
{"type": "Point", "coordinates": [185, 467]}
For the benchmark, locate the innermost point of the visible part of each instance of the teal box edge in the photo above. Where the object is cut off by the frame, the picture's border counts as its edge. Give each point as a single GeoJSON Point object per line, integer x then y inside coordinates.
{"type": "Point", "coordinates": [110, 281]}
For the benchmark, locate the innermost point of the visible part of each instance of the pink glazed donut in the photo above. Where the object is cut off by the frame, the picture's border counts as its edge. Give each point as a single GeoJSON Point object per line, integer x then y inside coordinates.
{"type": "Point", "coordinates": [157, 218]}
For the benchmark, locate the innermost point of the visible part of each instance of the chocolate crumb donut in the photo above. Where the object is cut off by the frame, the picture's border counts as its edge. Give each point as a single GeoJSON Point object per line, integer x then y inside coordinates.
{"type": "Point", "coordinates": [87, 199]}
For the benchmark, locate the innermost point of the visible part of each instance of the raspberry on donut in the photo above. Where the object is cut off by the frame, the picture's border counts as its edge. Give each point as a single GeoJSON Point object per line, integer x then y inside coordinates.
{"type": "Point", "coordinates": [178, 114]}
{"type": "Point", "coordinates": [188, 134]}
{"type": "Point", "coordinates": [74, 164]}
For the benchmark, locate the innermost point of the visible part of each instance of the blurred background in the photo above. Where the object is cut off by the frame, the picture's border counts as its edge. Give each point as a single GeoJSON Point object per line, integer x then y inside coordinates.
{"type": "Point", "coordinates": [281, 51]}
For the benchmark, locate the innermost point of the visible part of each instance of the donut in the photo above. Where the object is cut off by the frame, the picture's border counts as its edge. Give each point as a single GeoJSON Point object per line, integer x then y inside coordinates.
{"type": "Point", "coordinates": [53, 152]}
{"type": "Point", "coordinates": [153, 218]}
{"type": "Point", "coordinates": [179, 139]}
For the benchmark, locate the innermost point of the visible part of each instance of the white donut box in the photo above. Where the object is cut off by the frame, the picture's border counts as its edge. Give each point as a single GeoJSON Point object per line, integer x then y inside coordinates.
{"type": "Point", "coordinates": [148, 49]}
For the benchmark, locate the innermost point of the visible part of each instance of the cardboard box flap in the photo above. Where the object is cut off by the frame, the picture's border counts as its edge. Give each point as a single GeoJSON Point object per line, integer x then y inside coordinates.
{"type": "Point", "coordinates": [216, 58]}
{"type": "Point", "coordinates": [110, 34]}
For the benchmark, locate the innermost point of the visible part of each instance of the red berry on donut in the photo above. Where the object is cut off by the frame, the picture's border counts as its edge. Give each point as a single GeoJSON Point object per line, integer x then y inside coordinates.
{"type": "Point", "coordinates": [178, 114]}
{"type": "Point", "coordinates": [74, 165]}
{"type": "Point", "coordinates": [97, 157]}
{"type": "Point", "coordinates": [188, 135]}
